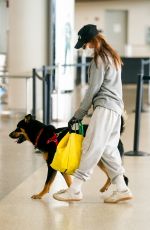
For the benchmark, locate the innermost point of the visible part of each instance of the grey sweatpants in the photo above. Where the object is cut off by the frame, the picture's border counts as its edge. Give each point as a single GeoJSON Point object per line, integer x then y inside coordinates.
{"type": "Point", "coordinates": [101, 142]}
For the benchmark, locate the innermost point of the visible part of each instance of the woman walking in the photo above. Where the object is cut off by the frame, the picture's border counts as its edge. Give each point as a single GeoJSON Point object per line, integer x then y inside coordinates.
{"type": "Point", "coordinates": [103, 133]}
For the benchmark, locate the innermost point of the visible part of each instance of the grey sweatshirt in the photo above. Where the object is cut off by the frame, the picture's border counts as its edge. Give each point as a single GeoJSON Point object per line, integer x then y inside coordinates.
{"type": "Point", "coordinates": [105, 88]}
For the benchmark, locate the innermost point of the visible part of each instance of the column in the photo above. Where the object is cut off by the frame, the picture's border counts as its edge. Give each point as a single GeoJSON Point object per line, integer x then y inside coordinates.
{"type": "Point", "coordinates": [27, 48]}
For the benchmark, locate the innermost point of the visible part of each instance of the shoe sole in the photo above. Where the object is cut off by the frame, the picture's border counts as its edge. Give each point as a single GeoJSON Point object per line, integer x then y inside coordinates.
{"type": "Point", "coordinates": [119, 200]}
{"type": "Point", "coordinates": [67, 200]}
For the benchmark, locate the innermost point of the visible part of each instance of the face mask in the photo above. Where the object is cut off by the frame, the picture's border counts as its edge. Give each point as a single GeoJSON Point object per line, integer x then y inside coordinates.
{"type": "Point", "coordinates": [89, 52]}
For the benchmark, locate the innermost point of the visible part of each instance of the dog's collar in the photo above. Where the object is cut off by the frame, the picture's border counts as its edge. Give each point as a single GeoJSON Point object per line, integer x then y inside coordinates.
{"type": "Point", "coordinates": [38, 136]}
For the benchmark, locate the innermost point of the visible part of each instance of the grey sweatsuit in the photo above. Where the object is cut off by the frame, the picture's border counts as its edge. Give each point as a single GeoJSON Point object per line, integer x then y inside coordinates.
{"type": "Point", "coordinates": [103, 133]}
{"type": "Point", "coordinates": [105, 88]}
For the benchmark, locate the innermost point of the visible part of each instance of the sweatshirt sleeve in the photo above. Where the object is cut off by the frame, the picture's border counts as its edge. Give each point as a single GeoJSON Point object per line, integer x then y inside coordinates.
{"type": "Point", "coordinates": [96, 77]}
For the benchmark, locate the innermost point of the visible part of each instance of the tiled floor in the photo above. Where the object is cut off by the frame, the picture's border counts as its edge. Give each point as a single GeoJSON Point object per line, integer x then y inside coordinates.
{"type": "Point", "coordinates": [22, 173]}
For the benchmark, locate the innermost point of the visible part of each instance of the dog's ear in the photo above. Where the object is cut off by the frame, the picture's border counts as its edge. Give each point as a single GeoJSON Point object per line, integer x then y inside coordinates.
{"type": "Point", "coordinates": [28, 118]}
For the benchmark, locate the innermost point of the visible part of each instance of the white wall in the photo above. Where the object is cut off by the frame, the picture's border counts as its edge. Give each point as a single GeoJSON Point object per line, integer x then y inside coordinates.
{"type": "Point", "coordinates": [138, 21]}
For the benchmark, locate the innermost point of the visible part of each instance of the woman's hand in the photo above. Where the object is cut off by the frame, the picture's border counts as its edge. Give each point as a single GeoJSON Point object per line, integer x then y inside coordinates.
{"type": "Point", "coordinates": [72, 121]}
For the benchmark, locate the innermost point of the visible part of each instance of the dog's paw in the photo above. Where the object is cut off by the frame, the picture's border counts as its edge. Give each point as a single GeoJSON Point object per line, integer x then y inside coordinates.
{"type": "Point", "coordinates": [36, 196]}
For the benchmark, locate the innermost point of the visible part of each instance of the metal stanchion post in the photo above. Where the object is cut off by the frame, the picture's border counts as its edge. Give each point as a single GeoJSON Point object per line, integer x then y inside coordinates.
{"type": "Point", "coordinates": [34, 94]}
{"type": "Point", "coordinates": [136, 151]}
{"type": "Point", "coordinates": [44, 95]}
{"type": "Point", "coordinates": [51, 87]}
{"type": "Point", "coordinates": [48, 78]}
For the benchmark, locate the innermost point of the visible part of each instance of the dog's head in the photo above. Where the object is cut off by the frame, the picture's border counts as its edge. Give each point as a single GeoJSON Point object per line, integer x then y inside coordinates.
{"type": "Point", "coordinates": [20, 132]}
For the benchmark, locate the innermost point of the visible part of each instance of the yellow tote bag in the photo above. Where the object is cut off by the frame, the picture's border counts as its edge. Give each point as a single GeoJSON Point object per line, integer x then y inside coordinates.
{"type": "Point", "coordinates": [68, 153]}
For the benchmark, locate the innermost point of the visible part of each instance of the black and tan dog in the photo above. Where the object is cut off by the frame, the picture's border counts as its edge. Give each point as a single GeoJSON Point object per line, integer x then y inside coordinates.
{"type": "Point", "coordinates": [46, 138]}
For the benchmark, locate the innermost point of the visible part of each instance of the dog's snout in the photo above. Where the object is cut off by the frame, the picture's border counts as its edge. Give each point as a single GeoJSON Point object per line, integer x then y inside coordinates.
{"type": "Point", "coordinates": [12, 135]}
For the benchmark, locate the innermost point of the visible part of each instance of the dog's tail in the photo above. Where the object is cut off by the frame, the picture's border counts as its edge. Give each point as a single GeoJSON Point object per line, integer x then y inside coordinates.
{"type": "Point", "coordinates": [123, 121]}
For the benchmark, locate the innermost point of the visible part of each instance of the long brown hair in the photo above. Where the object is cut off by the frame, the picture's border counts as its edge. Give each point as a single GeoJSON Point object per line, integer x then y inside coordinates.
{"type": "Point", "coordinates": [104, 50]}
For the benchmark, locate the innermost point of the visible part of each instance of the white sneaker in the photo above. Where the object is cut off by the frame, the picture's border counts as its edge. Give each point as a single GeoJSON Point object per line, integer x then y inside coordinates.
{"type": "Point", "coordinates": [117, 196]}
{"type": "Point", "coordinates": [68, 195]}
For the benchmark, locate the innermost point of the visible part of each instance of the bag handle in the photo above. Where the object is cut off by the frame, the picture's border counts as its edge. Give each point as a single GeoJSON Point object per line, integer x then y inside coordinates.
{"type": "Point", "coordinates": [80, 128]}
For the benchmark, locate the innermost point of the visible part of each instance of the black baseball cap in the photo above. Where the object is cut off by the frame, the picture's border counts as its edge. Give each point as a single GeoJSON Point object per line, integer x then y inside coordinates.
{"type": "Point", "coordinates": [85, 34]}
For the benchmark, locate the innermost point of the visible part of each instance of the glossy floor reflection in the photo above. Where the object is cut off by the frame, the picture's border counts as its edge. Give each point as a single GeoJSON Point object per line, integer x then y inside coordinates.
{"type": "Point", "coordinates": [23, 172]}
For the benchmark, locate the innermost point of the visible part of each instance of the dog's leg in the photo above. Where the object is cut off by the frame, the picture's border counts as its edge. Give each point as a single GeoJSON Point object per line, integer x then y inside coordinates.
{"type": "Point", "coordinates": [67, 178]}
{"type": "Point", "coordinates": [50, 178]}
{"type": "Point", "coordinates": [108, 182]}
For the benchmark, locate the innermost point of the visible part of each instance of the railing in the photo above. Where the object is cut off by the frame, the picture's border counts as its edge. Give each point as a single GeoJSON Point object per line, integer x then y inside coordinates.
{"type": "Point", "coordinates": [48, 74]}
{"type": "Point", "coordinates": [5, 81]}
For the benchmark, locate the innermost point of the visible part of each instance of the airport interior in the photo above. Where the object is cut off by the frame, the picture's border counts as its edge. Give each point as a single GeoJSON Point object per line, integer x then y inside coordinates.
{"type": "Point", "coordinates": [41, 73]}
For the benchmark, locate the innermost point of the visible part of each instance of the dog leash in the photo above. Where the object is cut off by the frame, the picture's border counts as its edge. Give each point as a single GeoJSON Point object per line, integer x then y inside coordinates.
{"type": "Point", "coordinates": [53, 139]}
